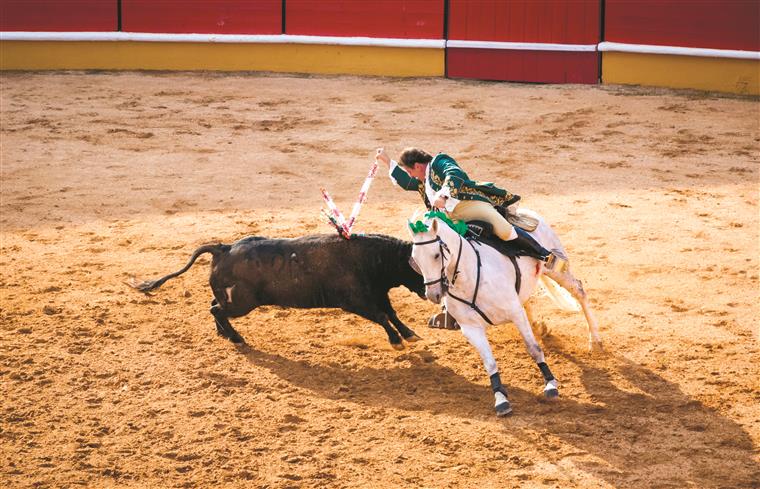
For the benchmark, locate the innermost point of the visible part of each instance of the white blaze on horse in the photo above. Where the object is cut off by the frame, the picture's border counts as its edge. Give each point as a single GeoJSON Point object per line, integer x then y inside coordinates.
{"type": "Point", "coordinates": [480, 287]}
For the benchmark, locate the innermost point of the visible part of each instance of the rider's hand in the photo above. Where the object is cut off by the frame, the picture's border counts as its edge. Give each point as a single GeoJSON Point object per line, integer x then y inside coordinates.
{"type": "Point", "coordinates": [440, 202]}
{"type": "Point", "coordinates": [381, 155]}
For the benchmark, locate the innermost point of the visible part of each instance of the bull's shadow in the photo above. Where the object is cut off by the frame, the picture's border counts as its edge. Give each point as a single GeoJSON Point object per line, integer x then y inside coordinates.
{"type": "Point", "coordinates": [657, 434]}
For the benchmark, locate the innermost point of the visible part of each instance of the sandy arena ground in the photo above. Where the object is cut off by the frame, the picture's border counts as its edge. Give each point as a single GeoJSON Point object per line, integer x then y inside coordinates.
{"type": "Point", "coordinates": [655, 194]}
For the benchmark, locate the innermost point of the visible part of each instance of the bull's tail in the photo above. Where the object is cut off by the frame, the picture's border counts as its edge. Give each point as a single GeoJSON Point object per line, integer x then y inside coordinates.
{"type": "Point", "coordinates": [148, 285]}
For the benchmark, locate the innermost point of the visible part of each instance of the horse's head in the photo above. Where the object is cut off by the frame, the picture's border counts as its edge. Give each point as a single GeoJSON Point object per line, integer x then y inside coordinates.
{"type": "Point", "coordinates": [431, 253]}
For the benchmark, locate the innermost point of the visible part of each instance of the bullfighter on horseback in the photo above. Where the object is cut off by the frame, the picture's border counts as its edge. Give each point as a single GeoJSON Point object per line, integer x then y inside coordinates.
{"type": "Point", "coordinates": [445, 186]}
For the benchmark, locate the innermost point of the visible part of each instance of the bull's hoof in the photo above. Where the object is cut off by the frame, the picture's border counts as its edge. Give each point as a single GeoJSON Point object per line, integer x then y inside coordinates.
{"type": "Point", "coordinates": [397, 346]}
{"type": "Point", "coordinates": [233, 337]}
{"type": "Point", "coordinates": [413, 338]}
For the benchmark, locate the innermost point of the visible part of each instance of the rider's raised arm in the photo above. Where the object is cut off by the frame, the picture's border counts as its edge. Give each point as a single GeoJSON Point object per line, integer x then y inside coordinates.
{"type": "Point", "coordinates": [402, 179]}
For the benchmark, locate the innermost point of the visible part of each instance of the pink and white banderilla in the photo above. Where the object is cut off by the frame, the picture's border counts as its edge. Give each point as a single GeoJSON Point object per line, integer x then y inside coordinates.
{"type": "Point", "coordinates": [336, 217]}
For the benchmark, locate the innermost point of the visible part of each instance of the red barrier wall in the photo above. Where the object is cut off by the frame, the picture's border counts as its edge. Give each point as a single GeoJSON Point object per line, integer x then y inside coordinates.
{"type": "Point", "coordinates": [547, 21]}
{"type": "Point", "coordinates": [523, 66]}
{"type": "Point", "coordinates": [406, 19]}
{"type": "Point", "coordinates": [58, 15]}
{"type": "Point", "coordinates": [719, 24]}
{"type": "Point", "coordinates": [202, 16]}
{"type": "Point", "coordinates": [529, 21]}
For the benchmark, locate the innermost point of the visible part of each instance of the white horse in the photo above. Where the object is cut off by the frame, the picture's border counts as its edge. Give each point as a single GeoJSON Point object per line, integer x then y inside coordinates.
{"type": "Point", "coordinates": [479, 287]}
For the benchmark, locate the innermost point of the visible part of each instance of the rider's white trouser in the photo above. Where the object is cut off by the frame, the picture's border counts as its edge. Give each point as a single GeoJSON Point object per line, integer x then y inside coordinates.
{"type": "Point", "coordinates": [469, 210]}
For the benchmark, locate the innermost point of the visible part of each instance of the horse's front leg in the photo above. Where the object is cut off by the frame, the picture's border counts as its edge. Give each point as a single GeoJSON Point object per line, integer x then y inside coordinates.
{"type": "Point", "coordinates": [520, 320]}
{"type": "Point", "coordinates": [476, 335]}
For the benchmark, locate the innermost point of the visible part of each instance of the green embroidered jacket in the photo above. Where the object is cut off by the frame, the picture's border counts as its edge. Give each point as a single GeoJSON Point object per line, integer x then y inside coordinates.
{"type": "Point", "coordinates": [444, 171]}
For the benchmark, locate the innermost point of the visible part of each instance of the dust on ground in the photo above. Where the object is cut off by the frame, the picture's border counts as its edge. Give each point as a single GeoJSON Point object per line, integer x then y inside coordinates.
{"type": "Point", "coordinates": [654, 193]}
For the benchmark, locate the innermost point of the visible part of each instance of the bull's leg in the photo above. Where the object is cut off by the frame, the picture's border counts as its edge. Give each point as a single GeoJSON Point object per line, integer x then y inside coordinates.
{"type": "Point", "coordinates": [521, 321]}
{"type": "Point", "coordinates": [476, 335]}
{"type": "Point", "coordinates": [381, 318]}
{"type": "Point", "coordinates": [223, 326]}
{"type": "Point", "coordinates": [567, 281]}
{"type": "Point", "coordinates": [402, 328]}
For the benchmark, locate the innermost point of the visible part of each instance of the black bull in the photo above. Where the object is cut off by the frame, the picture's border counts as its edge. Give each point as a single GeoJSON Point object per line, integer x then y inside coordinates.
{"type": "Point", "coordinates": [307, 272]}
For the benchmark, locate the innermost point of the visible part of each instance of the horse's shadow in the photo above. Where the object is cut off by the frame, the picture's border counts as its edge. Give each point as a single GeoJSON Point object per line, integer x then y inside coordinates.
{"type": "Point", "coordinates": [634, 438]}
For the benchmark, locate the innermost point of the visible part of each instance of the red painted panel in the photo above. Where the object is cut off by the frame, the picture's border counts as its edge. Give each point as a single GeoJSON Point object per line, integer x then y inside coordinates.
{"type": "Point", "coordinates": [719, 24]}
{"type": "Point", "coordinates": [547, 21]}
{"type": "Point", "coordinates": [523, 66]}
{"type": "Point", "coordinates": [202, 16]}
{"type": "Point", "coordinates": [405, 19]}
{"type": "Point", "coordinates": [58, 15]}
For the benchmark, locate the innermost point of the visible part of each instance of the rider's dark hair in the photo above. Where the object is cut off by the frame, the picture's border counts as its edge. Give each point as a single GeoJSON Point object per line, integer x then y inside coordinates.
{"type": "Point", "coordinates": [410, 156]}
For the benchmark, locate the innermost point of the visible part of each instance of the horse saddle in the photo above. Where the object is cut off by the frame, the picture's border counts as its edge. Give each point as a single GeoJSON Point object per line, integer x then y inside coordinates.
{"type": "Point", "coordinates": [483, 231]}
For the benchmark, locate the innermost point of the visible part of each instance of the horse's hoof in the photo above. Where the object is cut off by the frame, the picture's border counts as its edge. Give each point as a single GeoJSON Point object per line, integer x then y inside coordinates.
{"type": "Point", "coordinates": [503, 409]}
{"type": "Point", "coordinates": [413, 338]}
{"type": "Point", "coordinates": [551, 391]}
{"type": "Point", "coordinates": [596, 347]}
{"type": "Point", "coordinates": [397, 346]}
{"type": "Point", "coordinates": [502, 405]}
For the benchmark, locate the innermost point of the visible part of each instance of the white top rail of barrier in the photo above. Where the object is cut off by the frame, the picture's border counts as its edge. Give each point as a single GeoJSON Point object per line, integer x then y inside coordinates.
{"type": "Point", "coordinates": [677, 50]}
{"type": "Point", "coordinates": [221, 38]}
{"type": "Point", "coordinates": [520, 46]}
{"type": "Point", "coordinates": [605, 46]}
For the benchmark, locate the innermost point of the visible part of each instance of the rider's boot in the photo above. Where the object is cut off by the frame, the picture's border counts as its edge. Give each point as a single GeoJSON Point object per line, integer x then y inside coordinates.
{"type": "Point", "coordinates": [526, 242]}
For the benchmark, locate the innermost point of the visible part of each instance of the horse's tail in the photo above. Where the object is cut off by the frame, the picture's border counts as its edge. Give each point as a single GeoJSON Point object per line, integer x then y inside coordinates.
{"type": "Point", "coordinates": [148, 285]}
{"type": "Point", "coordinates": [561, 297]}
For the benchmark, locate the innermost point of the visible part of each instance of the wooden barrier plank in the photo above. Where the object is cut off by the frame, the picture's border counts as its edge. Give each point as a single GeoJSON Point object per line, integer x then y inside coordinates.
{"type": "Point", "coordinates": [285, 58]}
{"type": "Point", "coordinates": [202, 17]}
{"type": "Point", "coordinates": [545, 21]}
{"type": "Point", "coordinates": [403, 19]}
{"type": "Point", "coordinates": [58, 15]}
{"type": "Point", "coordinates": [718, 24]}
{"type": "Point", "coordinates": [740, 76]}
{"type": "Point", "coordinates": [523, 66]}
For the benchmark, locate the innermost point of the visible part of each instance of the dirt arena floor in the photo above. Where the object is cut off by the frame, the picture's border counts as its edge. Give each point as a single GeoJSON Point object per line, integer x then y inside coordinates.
{"type": "Point", "coordinates": [654, 192]}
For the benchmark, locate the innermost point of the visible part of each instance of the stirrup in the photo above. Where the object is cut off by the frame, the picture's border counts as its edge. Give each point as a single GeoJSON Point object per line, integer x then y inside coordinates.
{"type": "Point", "coordinates": [443, 320]}
{"type": "Point", "coordinates": [555, 262]}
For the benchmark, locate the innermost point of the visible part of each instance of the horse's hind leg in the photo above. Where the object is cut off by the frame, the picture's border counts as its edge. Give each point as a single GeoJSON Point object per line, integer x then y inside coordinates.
{"type": "Point", "coordinates": [476, 335]}
{"type": "Point", "coordinates": [567, 281]}
{"type": "Point", "coordinates": [539, 328]}
{"type": "Point", "coordinates": [521, 321]}
{"type": "Point", "coordinates": [223, 326]}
